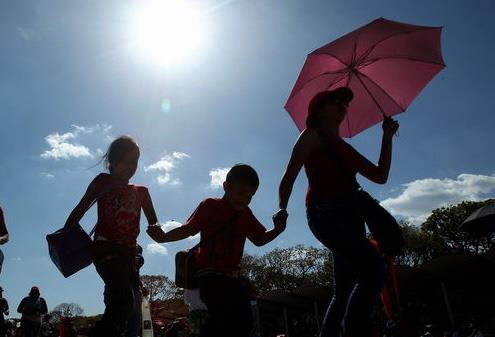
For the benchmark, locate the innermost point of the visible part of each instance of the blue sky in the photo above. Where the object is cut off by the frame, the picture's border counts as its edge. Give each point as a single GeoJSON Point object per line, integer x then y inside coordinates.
{"type": "Point", "coordinates": [72, 78]}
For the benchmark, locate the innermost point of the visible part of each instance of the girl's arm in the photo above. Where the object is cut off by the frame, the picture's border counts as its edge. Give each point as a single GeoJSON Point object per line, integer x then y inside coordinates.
{"type": "Point", "coordinates": [149, 209]}
{"type": "Point", "coordinates": [305, 144]}
{"type": "Point", "coordinates": [176, 234]}
{"type": "Point", "coordinates": [83, 205]}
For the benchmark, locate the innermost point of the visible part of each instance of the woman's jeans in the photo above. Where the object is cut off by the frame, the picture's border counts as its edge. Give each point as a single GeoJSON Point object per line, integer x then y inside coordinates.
{"type": "Point", "coordinates": [116, 266]}
{"type": "Point", "coordinates": [358, 268]}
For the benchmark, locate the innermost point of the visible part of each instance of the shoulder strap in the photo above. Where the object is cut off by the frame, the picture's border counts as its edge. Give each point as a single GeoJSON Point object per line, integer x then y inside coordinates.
{"type": "Point", "coordinates": [226, 224]}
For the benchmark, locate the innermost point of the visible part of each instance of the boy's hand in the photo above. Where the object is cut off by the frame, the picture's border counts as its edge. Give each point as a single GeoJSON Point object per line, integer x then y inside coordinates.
{"type": "Point", "coordinates": [280, 220]}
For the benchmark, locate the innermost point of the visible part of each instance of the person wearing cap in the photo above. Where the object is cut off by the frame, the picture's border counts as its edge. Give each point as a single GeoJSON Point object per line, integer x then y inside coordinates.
{"type": "Point", "coordinates": [331, 166]}
{"type": "Point", "coordinates": [4, 310]}
{"type": "Point", "coordinates": [32, 308]}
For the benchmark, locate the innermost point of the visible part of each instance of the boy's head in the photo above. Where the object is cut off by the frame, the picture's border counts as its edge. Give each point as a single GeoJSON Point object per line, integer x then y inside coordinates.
{"type": "Point", "coordinates": [240, 185]}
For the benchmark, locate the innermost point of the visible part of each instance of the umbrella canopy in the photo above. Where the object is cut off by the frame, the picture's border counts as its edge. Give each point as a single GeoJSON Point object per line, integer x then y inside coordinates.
{"type": "Point", "coordinates": [385, 63]}
{"type": "Point", "coordinates": [481, 221]}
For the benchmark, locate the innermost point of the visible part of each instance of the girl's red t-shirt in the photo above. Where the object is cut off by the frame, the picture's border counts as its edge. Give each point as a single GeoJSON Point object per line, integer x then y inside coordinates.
{"type": "Point", "coordinates": [119, 209]}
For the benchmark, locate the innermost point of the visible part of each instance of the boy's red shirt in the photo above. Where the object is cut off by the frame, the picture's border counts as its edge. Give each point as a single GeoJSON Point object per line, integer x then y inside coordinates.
{"type": "Point", "coordinates": [223, 251]}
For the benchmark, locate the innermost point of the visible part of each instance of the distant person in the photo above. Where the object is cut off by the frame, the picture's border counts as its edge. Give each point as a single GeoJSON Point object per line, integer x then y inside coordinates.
{"type": "Point", "coordinates": [4, 311]}
{"type": "Point", "coordinates": [47, 327]}
{"type": "Point", "coordinates": [334, 216]}
{"type": "Point", "coordinates": [224, 225]}
{"type": "Point", "coordinates": [4, 236]}
{"type": "Point", "coordinates": [32, 308]}
{"type": "Point", "coordinates": [114, 249]}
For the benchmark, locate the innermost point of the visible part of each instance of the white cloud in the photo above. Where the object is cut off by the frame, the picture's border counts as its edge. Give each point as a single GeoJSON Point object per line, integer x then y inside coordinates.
{"type": "Point", "coordinates": [218, 176]}
{"type": "Point", "coordinates": [63, 146]}
{"type": "Point", "coordinates": [420, 197]}
{"type": "Point", "coordinates": [47, 175]}
{"type": "Point", "coordinates": [156, 248]}
{"type": "Point", "coordinates": [165, 166]}
{"type": "Point", "coordinates": [26, 33]}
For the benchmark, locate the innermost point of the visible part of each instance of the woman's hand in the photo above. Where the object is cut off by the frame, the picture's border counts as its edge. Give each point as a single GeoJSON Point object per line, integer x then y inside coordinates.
{"type": "Point", "coordinates": [390, 127]}
{"type": "Point", "coordinates": [280, 220]}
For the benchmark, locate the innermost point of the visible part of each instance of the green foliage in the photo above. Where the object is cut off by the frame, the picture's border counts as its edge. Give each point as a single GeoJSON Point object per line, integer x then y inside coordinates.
{"type": "Point", "coordinates": [442, 227]}
{"type": "Point", "coordinates": [66, 310]}
{"type": "Point", "coordinates": [419, 249]}
{"type": "Point", "coordinates": [288, 268]}
{"type": "Point", "coordinates": [160, 287]}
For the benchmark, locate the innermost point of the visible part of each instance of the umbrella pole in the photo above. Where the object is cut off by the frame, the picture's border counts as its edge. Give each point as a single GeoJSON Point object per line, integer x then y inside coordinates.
{"type": "Point", "coordinates": [355, 72]}
{"type": "Point", "coordinates": [286, 322]}
{"type": "Point", "coordinates": [317, 317]}
{"type": "Point", "coordinates": [447, 304]}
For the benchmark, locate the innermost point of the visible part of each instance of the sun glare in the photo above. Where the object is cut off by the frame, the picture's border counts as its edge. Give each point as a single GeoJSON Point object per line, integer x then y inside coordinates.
{"type": "Point", "coordinates": [168, 31]}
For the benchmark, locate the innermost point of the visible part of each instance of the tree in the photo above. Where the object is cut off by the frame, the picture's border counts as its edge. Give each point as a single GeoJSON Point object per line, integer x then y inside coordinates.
{"type": "Point", "coordinates": [442, 226]}
{"type": "Point", "coordinates": [419, 248]}
{"type": "Point", "coordinates": [66, 310]}
{"type": "Point", "coordinates": [288, 268]}
{"type": "Point", "coordinates": [160, 287]}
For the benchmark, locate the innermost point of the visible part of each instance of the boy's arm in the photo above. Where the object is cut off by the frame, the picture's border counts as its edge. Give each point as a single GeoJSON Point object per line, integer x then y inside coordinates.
{"type": "Point", "coordinates": [176, 234]}
{"type": "Point", "coordinates": [268, 236]}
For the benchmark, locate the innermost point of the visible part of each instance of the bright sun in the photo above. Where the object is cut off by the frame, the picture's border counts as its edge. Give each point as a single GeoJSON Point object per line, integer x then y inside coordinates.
{"type": "Point", "coordinates": [168, 31]}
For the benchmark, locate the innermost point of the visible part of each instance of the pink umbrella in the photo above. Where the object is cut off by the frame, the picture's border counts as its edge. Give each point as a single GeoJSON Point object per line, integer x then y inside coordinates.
{"type": "Point", "coordinates": [385, 63]}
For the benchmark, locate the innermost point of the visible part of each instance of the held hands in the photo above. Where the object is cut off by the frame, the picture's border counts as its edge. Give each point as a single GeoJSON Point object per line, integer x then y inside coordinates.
{"type": "Point", "coordinates": [280, 220]}
{"type": "Point", "coordinates": [154, 231]}
{"type": "Point", "coordinates": [390, 127]}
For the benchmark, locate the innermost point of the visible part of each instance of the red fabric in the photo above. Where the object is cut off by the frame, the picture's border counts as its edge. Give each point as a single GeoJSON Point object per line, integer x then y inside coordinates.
{"type": "Point", "coordinates": [390, 293]}
{"type": "Point", "coordinates": [223, 252]}
{"type": "Point", "coordinates": [385, 63]}
{"type": "Point", "coordinates": [119, 210]}
{"type": "Point", "coordinates": [331, 171]}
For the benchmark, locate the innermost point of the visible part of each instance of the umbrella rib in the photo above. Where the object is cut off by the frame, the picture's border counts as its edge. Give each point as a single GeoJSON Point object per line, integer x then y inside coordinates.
{"type": "Point", "coordinates": [373, 97]}
{"type": "Point", "coordinates": [331, 55]}
{"type": "Point", "coordinates": [370, 49]}
{"type": "Point", "coordinates": [370, 62]}
{"type": "Point", "coordinates": [341, 71]}
{"type": "Point", "coordinates": [381, 89]}
{"type": "Point", "coordinates": [348, 115]}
